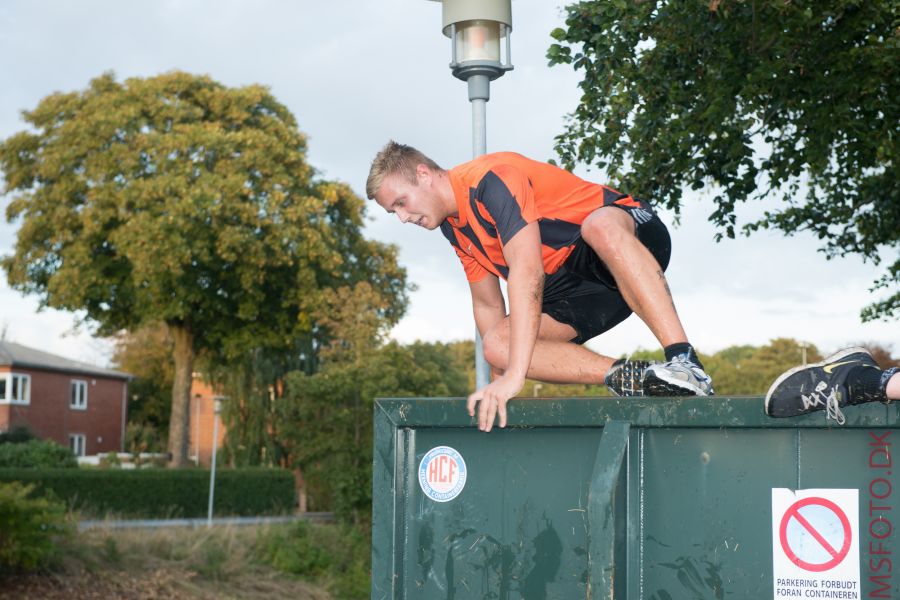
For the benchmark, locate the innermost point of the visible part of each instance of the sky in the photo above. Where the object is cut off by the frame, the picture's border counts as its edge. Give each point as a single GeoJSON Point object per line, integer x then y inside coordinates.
{"type": "Point", "coordinates": [357, 73]}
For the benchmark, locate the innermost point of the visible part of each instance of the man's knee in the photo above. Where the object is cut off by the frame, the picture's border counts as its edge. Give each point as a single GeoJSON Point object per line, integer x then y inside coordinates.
{"type": "Point", "coordinates": [605, 227]}
{"type": "Point", "coordinates": [496, 345]}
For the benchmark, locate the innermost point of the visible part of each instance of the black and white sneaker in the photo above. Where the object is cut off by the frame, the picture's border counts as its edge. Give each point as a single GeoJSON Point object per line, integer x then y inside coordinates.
{"type": "Point", "coordinates": [821, 386]}
{"type": "Point", "coordinates": [680, 376]}
{"type": "Point", "coordinates": [625, 377]}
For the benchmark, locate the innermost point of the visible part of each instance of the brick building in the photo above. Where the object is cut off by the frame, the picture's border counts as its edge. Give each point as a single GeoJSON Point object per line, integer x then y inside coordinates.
{"type": "Point", "coordinates": [75, 404]}
{"type": "Point", "coordinates": [202, 420]}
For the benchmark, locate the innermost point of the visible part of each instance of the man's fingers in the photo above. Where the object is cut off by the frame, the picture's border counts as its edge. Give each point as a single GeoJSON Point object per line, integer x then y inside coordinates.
{"type": "Point", "coordinates": [491, 413]}
{"type": "Point", "coordinates": [470, 404]}
{"type": "Point", "coordinates": [484, 412]}
{"type": "Point", "coordinates": [491, 406]}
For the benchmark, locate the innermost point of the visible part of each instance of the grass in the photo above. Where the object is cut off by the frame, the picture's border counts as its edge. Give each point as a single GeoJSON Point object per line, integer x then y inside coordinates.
{"type": "Point", "coordinates": [297, 561]}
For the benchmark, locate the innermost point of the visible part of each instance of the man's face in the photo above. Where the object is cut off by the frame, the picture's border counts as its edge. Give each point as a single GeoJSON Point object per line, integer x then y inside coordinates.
{"type": "Point", "coordinates": [412, 203]}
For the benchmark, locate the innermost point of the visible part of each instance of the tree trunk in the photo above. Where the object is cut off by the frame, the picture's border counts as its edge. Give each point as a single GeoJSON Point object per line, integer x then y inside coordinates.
{"type": "Point", "coordinates": [181, 394]}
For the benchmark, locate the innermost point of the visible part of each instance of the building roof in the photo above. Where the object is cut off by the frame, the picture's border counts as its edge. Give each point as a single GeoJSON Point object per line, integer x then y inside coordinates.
{"type": "Point", "coordinates": [17, 355]}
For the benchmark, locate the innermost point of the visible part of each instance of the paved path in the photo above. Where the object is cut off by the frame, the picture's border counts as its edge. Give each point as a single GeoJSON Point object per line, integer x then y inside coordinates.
{"type": "Point", "coordinates": [153, 523]}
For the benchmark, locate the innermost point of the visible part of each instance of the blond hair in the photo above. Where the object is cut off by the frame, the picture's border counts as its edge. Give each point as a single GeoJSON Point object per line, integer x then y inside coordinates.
{"type": "Point", "coordinates": [399, 159]}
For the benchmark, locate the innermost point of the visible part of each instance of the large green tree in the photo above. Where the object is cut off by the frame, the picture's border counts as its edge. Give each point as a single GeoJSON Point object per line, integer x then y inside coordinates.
{"type": "Point", "coordinates": [179, 200]}
{"type": "Point", "coordinates": [760, 98]}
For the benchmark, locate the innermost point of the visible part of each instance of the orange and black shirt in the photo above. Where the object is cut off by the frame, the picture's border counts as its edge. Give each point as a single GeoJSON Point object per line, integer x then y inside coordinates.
{"type": "Point", "coordinates": [498, 194]}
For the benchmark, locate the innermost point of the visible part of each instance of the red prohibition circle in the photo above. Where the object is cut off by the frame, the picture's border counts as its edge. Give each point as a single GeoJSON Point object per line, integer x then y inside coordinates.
{"type": "Point", "coordinates": [836, 555]}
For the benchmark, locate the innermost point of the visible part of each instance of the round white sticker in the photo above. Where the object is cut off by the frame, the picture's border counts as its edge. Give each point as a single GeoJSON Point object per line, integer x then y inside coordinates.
{"type": "Point", "coordinates": [442, 474]}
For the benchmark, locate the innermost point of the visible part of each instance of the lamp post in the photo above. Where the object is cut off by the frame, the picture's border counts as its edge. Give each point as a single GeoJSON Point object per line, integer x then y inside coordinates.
{"type": "Point", "coordinates": [217, 403]}
{"type": "Point", "coordinates": [197, 398]}
{"type": "Point", "coordinates": [478, 30]}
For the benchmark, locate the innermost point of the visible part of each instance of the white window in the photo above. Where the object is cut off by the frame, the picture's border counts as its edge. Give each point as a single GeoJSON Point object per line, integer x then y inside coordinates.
{"type": "Point", "coordinates": [78, 394]}
{"type": "Point", "coordinates": [15, 388]}
{"type": "Point", "coordinates": [76, 443]}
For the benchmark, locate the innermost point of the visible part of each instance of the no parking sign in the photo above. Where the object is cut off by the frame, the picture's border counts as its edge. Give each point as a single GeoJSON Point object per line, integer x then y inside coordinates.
{"type": "Point", "coordinates": [815, 543]}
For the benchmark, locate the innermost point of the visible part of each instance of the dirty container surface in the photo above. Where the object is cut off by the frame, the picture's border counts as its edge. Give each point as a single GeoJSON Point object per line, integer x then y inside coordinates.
{"type": "Point", "coordinates": [656, 499]}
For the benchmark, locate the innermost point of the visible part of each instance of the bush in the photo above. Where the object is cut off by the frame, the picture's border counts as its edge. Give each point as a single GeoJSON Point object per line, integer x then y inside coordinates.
{"type": "Point", "coordinates": [162, 493]}
{"type": "Point", "coordinates": [30, 528]}
{"type": "Point", "coordinates": [339, 555]}
{"type": "Point", "coordinates": [143, 437]}
{"type": "Point", "coordinates": [110, 461]}
{"type": "Point", "coordinates": [294, 551]}
{"type": "Point", "coordinates": [36, 454]}
{"type": "Point", "coordinates": [18, 435]}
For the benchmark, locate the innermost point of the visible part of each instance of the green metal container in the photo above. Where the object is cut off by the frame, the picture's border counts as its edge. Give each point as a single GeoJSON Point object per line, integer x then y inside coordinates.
{"type": "Point", "coordinates": [656, 499]}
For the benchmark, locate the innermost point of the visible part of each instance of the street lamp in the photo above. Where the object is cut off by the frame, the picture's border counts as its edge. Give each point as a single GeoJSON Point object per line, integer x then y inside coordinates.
{"type": "Point", "coordinates": [217, 403]}
{"type": "Point", "coordinates": [478, 31]}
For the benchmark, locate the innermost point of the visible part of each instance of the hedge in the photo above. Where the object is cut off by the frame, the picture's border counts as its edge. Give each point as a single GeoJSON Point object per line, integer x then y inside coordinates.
{"type": "Point", "coordinates": [36, 454]}
{"type": "Point", "coordinates": [162, 493]}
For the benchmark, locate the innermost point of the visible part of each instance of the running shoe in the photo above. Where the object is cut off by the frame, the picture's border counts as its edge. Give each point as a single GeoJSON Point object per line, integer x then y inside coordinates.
{"type": "Point", "coordinates": [680, 376]}
{"type": "Point", "coordinates": [821, 386]}
{"type": "Point", "coordinates": [625, 377]}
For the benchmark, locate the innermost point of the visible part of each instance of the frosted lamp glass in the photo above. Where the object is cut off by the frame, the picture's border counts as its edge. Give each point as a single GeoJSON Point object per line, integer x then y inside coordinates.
{"type": "Point", "coordinates": [478, 40]}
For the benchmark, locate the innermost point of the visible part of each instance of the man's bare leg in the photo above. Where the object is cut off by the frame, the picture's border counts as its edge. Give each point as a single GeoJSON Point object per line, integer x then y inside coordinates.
{"type": "Point", "coordinates": [893, 387]}
{"type": "Point", "coordinates": [611, 233]}
{"type": "Point", "coordinates": [641, 281]}
{"type": "Point", "coordinates": [555, 358]}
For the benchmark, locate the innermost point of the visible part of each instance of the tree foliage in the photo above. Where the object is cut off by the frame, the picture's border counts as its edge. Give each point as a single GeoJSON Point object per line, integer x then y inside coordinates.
{"type": "Point", "coordinates": [761, 98]}
{"type": "Point", "coordinates": [326, 422]}
{"type": "Point", "coordinates": [748, 370]}
{"type": "Point", "coordinates": [882, 355]}
{"type": "Point", "coordinates": [318, 421]}
{"type": "Point", "coordinates": [320, 424]}
{"type": "Point", "coordinates": [176, 199]}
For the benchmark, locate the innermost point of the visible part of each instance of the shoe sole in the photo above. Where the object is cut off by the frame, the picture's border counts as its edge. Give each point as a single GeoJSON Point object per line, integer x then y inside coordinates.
{"type": "Point", "coordinates": [833, 358]}
{"type": "Point", "coordinates": [654, 384]}
{"type": "Point", "coordinates": [643, 365]}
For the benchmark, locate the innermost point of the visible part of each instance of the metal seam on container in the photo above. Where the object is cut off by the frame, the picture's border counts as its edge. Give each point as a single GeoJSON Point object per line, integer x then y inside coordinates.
{"type": "Point", "coordinates": [402, 523]}
{"type": "Point", "coordinates": [627, 466]}
{"type": "Point", "coordinates": [641, 522]}
{"type": "Point", "coordinates": [399, 509]}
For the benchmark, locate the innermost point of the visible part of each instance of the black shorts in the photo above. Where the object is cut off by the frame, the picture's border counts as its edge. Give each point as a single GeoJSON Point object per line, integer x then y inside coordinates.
{"type": "Point", "coordinates": [583, 293]}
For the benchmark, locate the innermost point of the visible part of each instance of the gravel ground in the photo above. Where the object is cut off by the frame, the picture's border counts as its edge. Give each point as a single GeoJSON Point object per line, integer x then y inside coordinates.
{"type": "Point", "coordinates": [145, 586]}
{"type": "Point", "coordinates": [168, 584]}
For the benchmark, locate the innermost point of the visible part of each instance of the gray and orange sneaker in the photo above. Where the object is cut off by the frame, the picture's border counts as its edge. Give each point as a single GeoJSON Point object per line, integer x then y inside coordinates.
{"type": "Point", "coordinates": [838, 381]}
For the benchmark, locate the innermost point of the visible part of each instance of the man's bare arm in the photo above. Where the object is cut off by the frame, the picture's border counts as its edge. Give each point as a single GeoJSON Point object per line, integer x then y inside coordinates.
{"type": "Point", "coordinates": [525, 289]}
{"type": "Point", "coordinates": [487, 303]}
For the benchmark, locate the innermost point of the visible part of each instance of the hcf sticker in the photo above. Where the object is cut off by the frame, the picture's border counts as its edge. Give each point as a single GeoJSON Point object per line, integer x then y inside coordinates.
{"type": "Point", "coordinates": [442, 474]}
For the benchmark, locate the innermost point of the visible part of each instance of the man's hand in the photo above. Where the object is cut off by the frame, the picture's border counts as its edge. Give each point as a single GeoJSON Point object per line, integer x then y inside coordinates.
{"type": "Point", "coordinates": [493, 398]}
